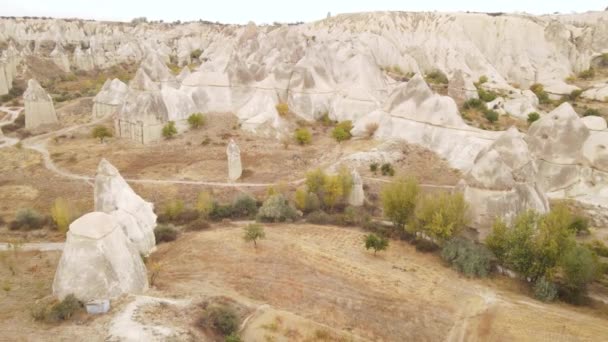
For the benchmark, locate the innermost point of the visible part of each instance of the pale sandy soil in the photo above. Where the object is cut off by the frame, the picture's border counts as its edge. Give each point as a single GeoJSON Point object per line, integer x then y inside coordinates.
{"type": "Point", "coordinates": [302, 283]}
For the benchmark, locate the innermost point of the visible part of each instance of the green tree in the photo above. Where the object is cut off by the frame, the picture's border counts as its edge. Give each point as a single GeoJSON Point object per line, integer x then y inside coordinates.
{"type": "Point", "coordinates": [254, 232]}
{"type": "Point", "coordinates": [169, 130]}
{"type": "Point", "coordinates": [441, 216]}
{"type": "Point", "coordinates": [303, 136]}
{"type": "Point", "coordinates": [333, 191]}
{"type": "Point", "coordinates": [375, 242]}
{"type": "Point", "coordinates": [315, 180]}
{"type": "Point", "coordinates": [579, 266]}
{"type": "Point", "coordinates": [196, 120]}
{"type": "Point", "coordinates": [101, 133]}
{"type": "Point", "coordinates": [399, 201]}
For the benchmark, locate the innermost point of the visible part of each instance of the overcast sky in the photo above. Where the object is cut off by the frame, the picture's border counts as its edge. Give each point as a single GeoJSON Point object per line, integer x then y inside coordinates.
{"type": "Point", "coordinates": [268, 11]}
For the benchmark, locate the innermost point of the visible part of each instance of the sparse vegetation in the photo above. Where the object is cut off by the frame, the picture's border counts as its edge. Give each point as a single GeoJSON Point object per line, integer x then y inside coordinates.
{"type": "Point", "coordinates": [303, 136]}
{"type": "Point", "coordinates": [101, 133]}
{"type": "Point", "coordinates": [276, 209]}
{"type": "Point", "coordinates": [28, 219]}
{"type": "Point", "coordinates": [587, 74]}
{"type": "Point", "coordinates": [387, 169]}
{"type": "Point", "coordinates": [306, 201]}
{"type": "Point", "coordinates": [375, 242]}
{"type": "Point", "coordinates": [486, 95]}
{"type": "Point", "coordinates": [539, 90]}
{"type": "Point", "coordinates": [165, 233]}
{"type": "Point", "coordinates": [244, 206]}
{"type": "Point", "coordinates": [532, 117]}
{"type": "Point", "coordinates": [474, 104]}
{"type": "Point", "coordinates": [342, 131]}
{"type": "Point", "coordinates": [592, 112]}
{"type": "Point", "coordinates": [399, 201]}
{"type": "Point", "coordinates": [221, 318]}
{"type": "Point", "coordinates": [196, 54]}
{"type": "Point", "coordinates": [196, 120]}
{"type": "Point", "coordinates": [254, 232]}
{"type": "Point", "coordinates": [467, 257]}
{"type": "Point", "coordinates": [204, 204]}
{"type": "Point", "coordinates": [62, 215]}
{"type": "Point", "coordinates": [373, 167]}
{"type": "Point", "coordinates": [55, 312]}
{"type": "Point", "coordinates": [169, 130]}
{"type": "Point", "coordinates": [436, 77]}
{"type": "Point", "coordinates": [491, 116]}
{"type": "Point", "coordinates": [545, 290]}
{"type": "Point", "coordinates": [574, 95]}
{"type": "Point", "coordinates": [282, 108]}
{"type": "Point", "coordinates": [173, 209]}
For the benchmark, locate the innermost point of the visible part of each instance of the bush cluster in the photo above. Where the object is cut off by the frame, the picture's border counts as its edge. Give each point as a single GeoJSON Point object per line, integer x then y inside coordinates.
{"type": "Point", "coordinates": [276, 209]}
{"type": "Point", "coordinates": [539, 90]}
{"type": "Point", "coordinates": [57, 311]}
{"type": "Point", "coordinates": [221, 318]}
{"type": "Point", "coordinates": [437, 77]}
{"type": "Point", "coordinates": [169, 130]}
{"type": "Point", "coordinates": [165, 233]}
{"type": "Point", "coordinates": [28, 219]}
{"type": "Point", "coordinates": [303, 136]}
{"type": "Point", "coordinates": [471, 259]}
{"type": "Point", "coordinates": [330, 191]}
{"type": "Point", "coordinates": [196, 120]}
{"type": "Point", "coordinates": [342, 131]}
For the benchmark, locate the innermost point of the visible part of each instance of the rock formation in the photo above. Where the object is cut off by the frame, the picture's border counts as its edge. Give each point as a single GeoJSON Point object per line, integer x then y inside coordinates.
{"type": "Point", "coordinates": [110, 98]}
{"type": "Point", "coordinates": [234, 161]}
{"type": "Point", "coordinates": [460, 89]}
{"type": "Point", "coordinates": [134, 215]}
{"type": "Point", "coordinates": [39, 109]}
{"type": "Point", "coordinates": [357, 196]}
{"type": "Point", "coordinates": [595, 123]}
{"type": "Point", "coordinates": [502, 183]}
{"type": "Point", "coordinates": [98, 261]}
{"type": "Point", "coordinates": [59, 57]}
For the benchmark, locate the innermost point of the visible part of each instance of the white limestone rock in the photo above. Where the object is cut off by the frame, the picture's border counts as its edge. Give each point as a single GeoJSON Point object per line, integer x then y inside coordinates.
{"type": "Point", "coordinates": [110, 98]}
{"type": "Point", "coordinates": [595, 123]}
{"type": "Point", "coordinates": [461, 89]}
{"type": "Point", "coordinates": [59, 57]}
{"type": "Point", "coordinates": [184, 74]}
{"type": "Point", "coordinates": [235, 168]}
{"type": "Point", "coordinates": [132, 213]}
{"type": "Point", "coordinates": [599, 92]}
{"type": "Point", "coordinates": [39, 109]}
{"type": "Point", "coordinates": [83, 59]}
{"type": "Point", "coordinates": [357, 195]}
{"type": "Point", "coordinates": [502, 183]}
{"type": "Point", "coordinates": [98, 261]}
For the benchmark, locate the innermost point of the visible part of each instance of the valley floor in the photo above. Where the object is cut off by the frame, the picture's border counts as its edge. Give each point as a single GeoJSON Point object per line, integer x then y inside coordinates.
{"type": "Point", "coordinates": [308, 279]}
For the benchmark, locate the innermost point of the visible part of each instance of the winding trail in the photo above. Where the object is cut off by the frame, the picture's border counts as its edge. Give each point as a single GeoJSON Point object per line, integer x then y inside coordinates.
{"type": "Point", "coordinates": [39, 144]}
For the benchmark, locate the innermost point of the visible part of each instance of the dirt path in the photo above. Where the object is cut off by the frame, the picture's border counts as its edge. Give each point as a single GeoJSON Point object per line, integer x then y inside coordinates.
{"type": "Point", "coordinates": [36, 246]}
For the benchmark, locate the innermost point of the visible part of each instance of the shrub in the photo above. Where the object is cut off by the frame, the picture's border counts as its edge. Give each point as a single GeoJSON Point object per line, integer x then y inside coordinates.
{"type": "Point", "coordinates": [544, 290]}
{"type": "Point", "coordinates": [173, 209]}
{"type": "Point", "coordinates": [303, 136]}
{"type": "Point", "coordinates": [437, 77]}
{"type": "Point", "coordinates": [28, 219]}
{"type": "Point", "coordinates": [532, 117]}
{"type": "Point", "coordinates": [325, 120]}
{"type": "Point", "coordinates": [276, 209]}
{"type": "Point", "coordinates": [333, 191]}
{"type": "Point", "coordinates": [579, 225]}
{"type": "Point", "coordinates": [474, 104]}
{"type": "Point", "coordinates": [196, 120]}
{"type": "Point", "coordinates": [342, 131]}
{"type": "Point", "coordinates": [165, 233]}
{"type": "Point", "coordinates": [373, 167]}
{"type": "Point", "coordinates": [221, 211]}
{"type": "Point", "coordinates": [592, 112]}
{"type": "Point", "coordinates": [306, 201]}
{"type": "Point", "coordinates": [599, 248]}
{"type": "Point", "coordinates": [187, 216]}
{"type": "Point", "coordinates": [399, 201]}
{"type": "Point", "coordinates": [486, 95]}
{"type": "Point", "coordinates": [196, 54]}
{"type": "Point", "coordinates": [282, 108]}
{"type": "Point", "coordinates": [539, 90]}
{"type": "Point", "coordinates": [375, 242]}
{"type": "Point", "coordinates": [441, 216]}
{"type": "Point", "coordinates": [425, 246]}
{"type": "Point", "coordinates": [574, 95]}
{"type": "Point", "coordinates": [587, 74]}
{"type": "Point", "coordinates": [198, 225]}
{"type": "Point", "coordinates": [318, 217]}
{"type": "Point", "coordinates": [371, 128]}
{"type": "Point", "coordinates": [204, 204]}
{"type": "Point", "coordinates": [315, 180]}
{"type": "Point", "coordinates": [233, 338]}
{"type": "Point", "coordinates": [387, 169]}
{"type": "Point", "coordinates": [467, 257]}
{"type": "Point", "coordinates": [61, 214]}
{"type": "Point", "coordinates": [101, 133]}
{"type": "Point", "coordinates": [579, 266]}
{"type": "Point", "coordinates": [244, 206]}
{"type": "Point", "coordinates": [491, 116]}
{"type": "Point", "coordinates": [169, 130]}
{"type": "Point", "coordinates": [254, 232]}
{"type": "Point", "coordinates": [482, 79]}
{"type": "Point", "coordinates": [220, 318]}
{"type": "Point", "coordinates": [57, 311]}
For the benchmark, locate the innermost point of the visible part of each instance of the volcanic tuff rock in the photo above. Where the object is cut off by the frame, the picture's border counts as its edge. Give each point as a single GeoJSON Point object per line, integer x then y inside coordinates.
{"type": "Point", "coordinates": [134, 215]}
{"type": "Point", "coordinates": [110, 98]}
{"type": "Point", "coordinates": [502, 182]}
{"type": "Point", "coordinates": [235, 168]}
{"type": "Point", "coordinates": [98, 261]}
{"type": "Point", "coordinates": [39, 109]}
